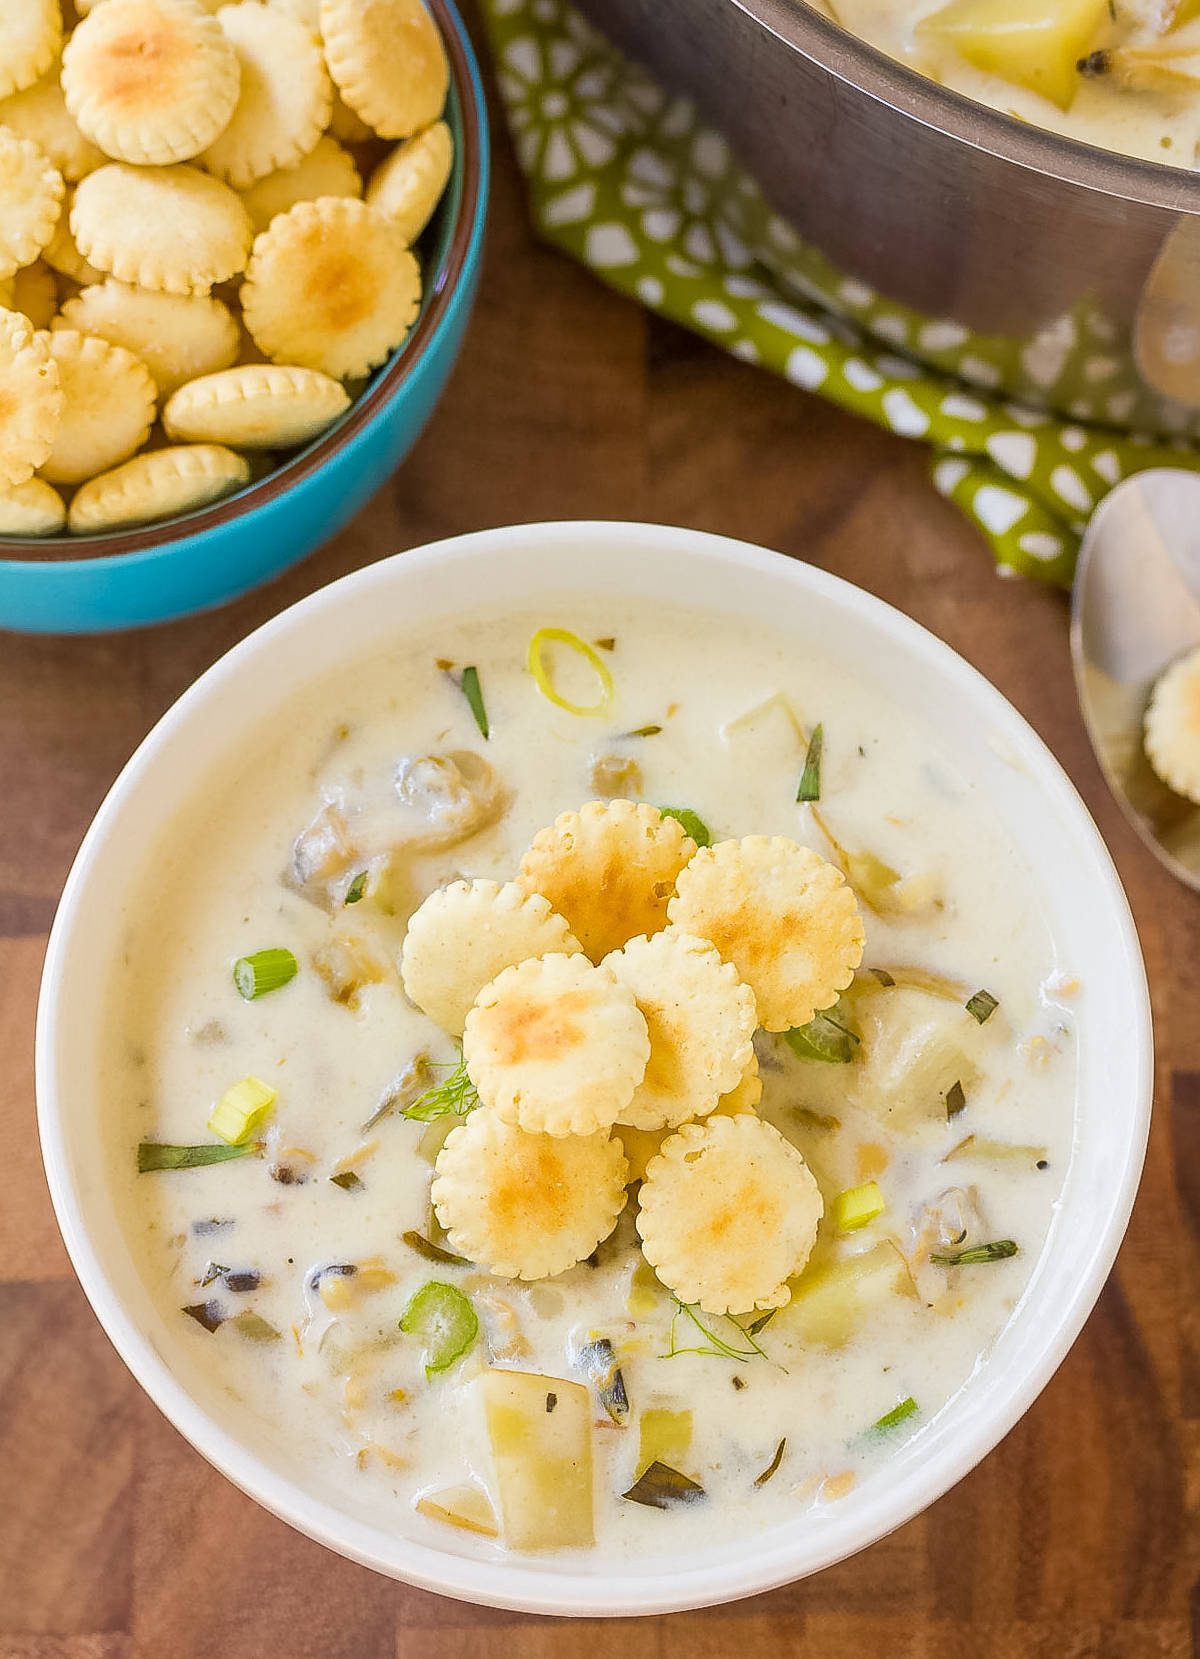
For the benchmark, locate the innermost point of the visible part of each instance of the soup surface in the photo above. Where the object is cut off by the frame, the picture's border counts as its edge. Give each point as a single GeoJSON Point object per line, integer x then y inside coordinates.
{"type": "Point", "coordinates": [297, 1273]}
{"type": "Point", "coordinates": [1124, 76]}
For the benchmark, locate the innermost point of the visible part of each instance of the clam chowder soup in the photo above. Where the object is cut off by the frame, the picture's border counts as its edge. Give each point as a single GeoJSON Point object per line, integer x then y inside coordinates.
{"type": "Point", "coordinates": [1121, 74]}
{"type": "Point", "coordinates": [584, 1080]}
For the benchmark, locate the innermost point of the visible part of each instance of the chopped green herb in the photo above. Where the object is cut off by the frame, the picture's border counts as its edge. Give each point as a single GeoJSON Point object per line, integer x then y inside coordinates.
{"type": "Point", "coordinates": [761, 1323]}
{"type": "Point", "coordinates": [886, 979]}
{"type": "Point", "coordinates": [473, 693]}
{"type": "Point", "coordinates": [825, 1037]}
{"type": "Point", "coordinates": [607, 644]}
{"type": "Point", "coordinates": [956, 1099]}
{"type": "Point", "coordinates": [254, 1327]}
{"type": "Point", "coordinates": [212, 1270]}
{"type": "Point", "coordinates": [739, 1383]}
{"type": "Point", "coordinates": [660, 1486]}
{"type": "Point", "coordinates": [241, 1110]}
{"type": "Point", "coordinates": [161, 1155]}
{"type": "Point", "coordinates": [761, 1480]}
{"type": "Point", "coordinates": [810, 778]}
{"type": "Point", "coordinates": [642, 731]}
{"type": "Point", "coordinates": [443, 1316]}
{"type": "Point", "coordinates": [713, 1343]}
{"type": "Point", "coordinates": [347, 1180]}
{"type": "Point", "coordinates": [265, 971]}
{"type": "Point", "coordinates": [692, 823]}
{"type": "Point", "coordinates": [599, 1361]}
{"type": "Point", "coordinates": [999, 1250]}
{"type": "Point", "coordinates": [208, 1314]}
{"type": "Point", "coordinates": [898, 1414]}
{"type": "Point", "coordinates": [817, 1120]}
{"type": "Point", "coordinates": [551, 1401]}
{"type": "Point", "coordinates": [455, 1093]}
{"type": "Point", "coordinates": [356, 888]}
{"type": "Point", "coordinates": [982, 1006]}
{"type": "Point", "coordinates": [431, 1252]}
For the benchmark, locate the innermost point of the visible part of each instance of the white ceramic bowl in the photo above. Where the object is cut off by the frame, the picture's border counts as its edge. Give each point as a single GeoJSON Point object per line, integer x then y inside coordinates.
{"type": "Point", "coordinates": [1033, 802]}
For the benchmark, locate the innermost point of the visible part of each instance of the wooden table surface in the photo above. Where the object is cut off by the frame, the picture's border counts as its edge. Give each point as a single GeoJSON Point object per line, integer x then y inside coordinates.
{"type": "Point", "coordinates": [1076, 1537]}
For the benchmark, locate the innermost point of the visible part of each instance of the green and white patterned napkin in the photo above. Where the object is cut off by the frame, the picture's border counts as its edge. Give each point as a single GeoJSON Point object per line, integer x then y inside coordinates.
{"type": "Point", "coordinates": [626, 179]}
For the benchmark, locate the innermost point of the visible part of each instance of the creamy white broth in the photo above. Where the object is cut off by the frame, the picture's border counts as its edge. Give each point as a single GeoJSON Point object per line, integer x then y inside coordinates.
{"type": "Point", "coordinates": [1143, 102]}
{"type": "Point", "coordinates": [182, 1036]}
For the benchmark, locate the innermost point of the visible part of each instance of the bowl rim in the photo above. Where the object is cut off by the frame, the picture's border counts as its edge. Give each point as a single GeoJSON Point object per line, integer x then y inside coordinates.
{"type": "Point", "coordinates": [513, 1584]}
{"type": "Point", "coordinates": [1035, 149]}
{"type": "Point", "coordinates": [116, 546]}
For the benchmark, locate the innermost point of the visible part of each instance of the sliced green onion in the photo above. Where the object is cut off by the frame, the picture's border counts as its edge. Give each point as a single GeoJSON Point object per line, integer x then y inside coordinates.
{"type": "Point", "coordinates": [356, 888]}
{"type": "Point", "coordinates": [823, 1038]}
{"type": "Point", "coordinates": [898, 1414]}
{"type": "Point", "coordinates": [660, 1486]}
{"type": "Point", "coordinates": [999, 1250]}
{"type": "Point", "coordinates": [982, 1006]}
{"type": "Point", "coordinates": [692, 823]}
{"type": "Point", "coordinates": [856, 1206]}
{"type": "Point", "coordinates": [473, 693]}
{"type": "Point", "coordinates": [956, 1099]}
{"type": "Point", "coordinates": [761, 1480]}
{"type": "Point", "coordinates": [153, 1155]}
{"type": "Point", "coordinates": [241, 1110]}
{"type": "Point", "coordinates": [545, 683]}
{"type": "Point", "coordinates": [810, 778]}
{"type": "Point", "coordinates": [456, 1093]}
{"type": "Point", "coordinates": [445, 1319]}
{"type": "Point", "coordinates": [265, 971]}
{"type": "Point", "coordinates": [432, 1252]}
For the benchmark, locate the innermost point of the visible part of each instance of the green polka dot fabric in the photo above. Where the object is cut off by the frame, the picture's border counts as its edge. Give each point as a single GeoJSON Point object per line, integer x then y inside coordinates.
{"type": "Point", "coordinates": [627, 179]}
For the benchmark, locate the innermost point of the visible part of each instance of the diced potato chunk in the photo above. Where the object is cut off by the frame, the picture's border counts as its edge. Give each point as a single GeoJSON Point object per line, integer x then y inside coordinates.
{"type": "Point", "coordinates": [540, 1429]}
{"type": "Point", "coordinates": [1034, 43]}
{"type": "Point", "coordinates": [461, 1506]}
{"type": "Point", "coordinates": [915, 1047]}
{"type": "Point", "coordinates": [664, 1437]}
{"type": "Point", "coordinates": [830, 1301]}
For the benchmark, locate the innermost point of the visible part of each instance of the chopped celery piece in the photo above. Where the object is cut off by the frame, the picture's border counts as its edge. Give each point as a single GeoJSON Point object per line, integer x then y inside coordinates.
{"type": "Point", "coordinates": [153, 1155]}
{"type": "Point", "coordinates": [691, 822]}
{"type": "Point", "coordinates": [1034, 43]}
{"type": "Point", "coordinates": [473, 692]}
{"type": "Point", "coordinates": [645, 1290]}
{"type": "Point", "coordinates": [830, 1301]}
{"type": "Point", "coordinates": [825, 1037]}
{"type": "Point", "coordinates": [445, 1319]}
{"type": "Point", "coordinates": [856, 1206]}
{"type": "Point", "coordinates": [265, 971]}
{"type": "Point", "coordinates": [241, 1110]}
{"type": "Point", "coordinates": [660, 1486]}
{"type": "Point", "coordinates": [898, 1414]}
{"type": "Point", "coordinates": [542, 1459]}
{"type": "Point", "coordinates": [254, 1327]}
{"type": "Point", "coordinates": [461, 1506]}
{"type": "Point", "coordinates": [810, 778]}
{"type": "Point", "coordinates": [544, 677]}
{"type": "Point", "coordinates": [663, 1437]}
{"type": "Point", "coordinates": [999, 1250]}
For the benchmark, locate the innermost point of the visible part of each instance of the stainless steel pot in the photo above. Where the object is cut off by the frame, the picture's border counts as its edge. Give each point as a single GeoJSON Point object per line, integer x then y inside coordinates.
{"type": "Point", "coordinates": [1080, 267]}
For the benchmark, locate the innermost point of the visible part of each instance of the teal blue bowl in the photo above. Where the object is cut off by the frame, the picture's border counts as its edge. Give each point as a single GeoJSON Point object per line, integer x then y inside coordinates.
{"type": "Point", "coordinates": [129, 578]}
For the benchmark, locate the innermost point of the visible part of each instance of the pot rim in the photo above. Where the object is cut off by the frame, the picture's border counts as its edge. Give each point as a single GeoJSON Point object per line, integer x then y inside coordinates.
{"type": "Point", "coordinates": [1036, 149]}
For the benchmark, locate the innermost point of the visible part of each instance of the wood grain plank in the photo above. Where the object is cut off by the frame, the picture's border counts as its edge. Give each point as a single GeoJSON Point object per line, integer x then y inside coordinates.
{"type": "Point", "coordinates": [31, 1247]}
{"type": "Point", "coordinates": [67, 1451]}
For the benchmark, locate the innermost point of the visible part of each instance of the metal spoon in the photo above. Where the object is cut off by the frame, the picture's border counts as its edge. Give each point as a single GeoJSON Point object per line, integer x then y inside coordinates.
{"type": "Point", "coordinates": [1135, 607]}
